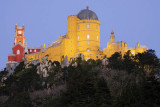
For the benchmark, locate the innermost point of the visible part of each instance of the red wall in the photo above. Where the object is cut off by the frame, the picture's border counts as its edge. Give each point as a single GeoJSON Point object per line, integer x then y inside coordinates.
{"type": "Point", "coordinates": [11, 58]}
{"type": "Point", "coordinates": [20, 56]}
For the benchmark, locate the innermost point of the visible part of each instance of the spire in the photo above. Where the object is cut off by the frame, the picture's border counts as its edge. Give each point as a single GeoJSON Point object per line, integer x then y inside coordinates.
{"type": "Point", "coordinates": [87, 7]}
{"type": "Point", "coordinates": [112, 37]}
{"type": "Point", "coordinates": [112, 32]}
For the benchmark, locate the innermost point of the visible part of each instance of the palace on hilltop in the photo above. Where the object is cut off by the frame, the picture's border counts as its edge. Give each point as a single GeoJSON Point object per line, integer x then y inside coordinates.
{"type": "Point", "coordinates": [82, 39]}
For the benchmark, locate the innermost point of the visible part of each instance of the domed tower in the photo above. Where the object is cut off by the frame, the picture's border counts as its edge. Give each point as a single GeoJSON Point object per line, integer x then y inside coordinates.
{"type": "Point", "coordinates": [83, 35]}
{"type": "Point", "coordinates": [88, 34]}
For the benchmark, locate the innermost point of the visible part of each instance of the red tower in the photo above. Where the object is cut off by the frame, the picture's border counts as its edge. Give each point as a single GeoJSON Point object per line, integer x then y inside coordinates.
{"type": "Point", "coordinates": [18, 46]}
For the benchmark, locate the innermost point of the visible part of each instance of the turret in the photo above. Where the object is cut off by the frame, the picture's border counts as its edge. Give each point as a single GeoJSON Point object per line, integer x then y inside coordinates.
{"type": "Point", "coordinates": [19, 38]}
{"type": "Point", "coordinates": [112, 37]}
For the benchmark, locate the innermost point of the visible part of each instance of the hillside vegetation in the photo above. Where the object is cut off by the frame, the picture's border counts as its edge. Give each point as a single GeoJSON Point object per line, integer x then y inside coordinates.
{"type": "Point", "coordinates": [131, 81]}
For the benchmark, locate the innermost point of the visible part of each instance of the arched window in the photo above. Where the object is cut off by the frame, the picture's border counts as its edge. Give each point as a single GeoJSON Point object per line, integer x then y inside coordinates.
{"type": "Point", "coordinates": [88, 49]}
{"type": "Point", "coordinates": [18, 52]}
{"type": "Point", "coordinates": [88, 25]}
{"type": "Point", "coordinates": [88, 36]}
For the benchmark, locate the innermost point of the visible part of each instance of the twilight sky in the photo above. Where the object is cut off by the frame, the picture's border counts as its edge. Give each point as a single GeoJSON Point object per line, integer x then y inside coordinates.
{"type": "Point", "coordinates": [132, 21]}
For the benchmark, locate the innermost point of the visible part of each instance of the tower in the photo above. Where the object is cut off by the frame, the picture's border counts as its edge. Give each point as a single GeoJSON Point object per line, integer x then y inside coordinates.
{"type": "Point", "coordinates": [19, 45]}
{"type": "Point", "coordinates": [112, 37]}
{"type": "Point", "coordinates": [88, 34]}
{"type": "Point", "coordinates": [19, 38]}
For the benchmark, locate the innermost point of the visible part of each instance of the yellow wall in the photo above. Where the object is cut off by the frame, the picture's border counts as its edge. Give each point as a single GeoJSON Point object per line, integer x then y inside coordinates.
{"type": "Point", "coordinates": [75, 42]}
{"type": "Point", "coordinates": [114, 46]}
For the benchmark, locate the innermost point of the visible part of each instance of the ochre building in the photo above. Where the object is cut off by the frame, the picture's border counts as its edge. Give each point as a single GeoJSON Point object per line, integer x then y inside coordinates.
{"type": "Point", "coordinates": [82, 39]}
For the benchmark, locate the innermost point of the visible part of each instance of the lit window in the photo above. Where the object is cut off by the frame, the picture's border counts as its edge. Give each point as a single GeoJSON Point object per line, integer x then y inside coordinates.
{"type": "Point", "coordinates": [30, 50]}
{"type": "Point", "coordinates": [97, 37]}
{"type": "Point", "coordinates": [87, 42]}
{"type": "Point", "coordinates": [19, 32]}
{"type": "Point", "coordinates": [78, 37]}
{"type": "Point", "coordinates": [18, 51]}
{"type": "Point", "coordinates": [35, 50]}
{"type": "Point", "coordinates": [88, 49]}
{"type": "Point", "coordinates": [88, 25]}
{"type": "Point", "coordinates": [88, 36]}
{"type": "Point", "coordinates": [132, 52]}
{"type": "Point", "coordinates": [97, 26]}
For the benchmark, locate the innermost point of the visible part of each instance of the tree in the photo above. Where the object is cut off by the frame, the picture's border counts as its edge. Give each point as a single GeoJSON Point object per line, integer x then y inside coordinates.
{"type": "Point", "coordinates": [115, 61]}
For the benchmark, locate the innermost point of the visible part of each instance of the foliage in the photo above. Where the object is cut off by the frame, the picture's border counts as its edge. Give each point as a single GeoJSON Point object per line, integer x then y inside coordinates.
{"type": "Point", "coordinates": [127, 81]}
{"type": "Point", "coordinates": [20, 100]}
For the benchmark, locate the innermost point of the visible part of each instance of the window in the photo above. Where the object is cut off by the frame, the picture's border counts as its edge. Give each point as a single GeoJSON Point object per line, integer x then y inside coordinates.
{"type": "Point", "coordinates": [71, 18]}
{"type": "Point", "coordinates": [71, 36]}
{"type": "Point", "coordinates": [71, 41]}
{"type": "Point", "coordinates": [71, 45]}
{"type": "Point", "coordinates": [19, 32]}
{"type": "Point", "coordinates": [97, 37]}
{"type": "Point", "coordinates": [71, 30]}
{"type": "Point", "coordinates": [97, 26]}
{"type": "Point", "coordinates": [78, 27]}
{"type": "Point", "coordinates": [71, 50]}
{"type": "Point", "coordinates": [97, 43]}
{"type": "Point", "coordinates": [35, 50]}
{"type": "Point", "coordinates": [18, 52]}
{"type": "Point", "coordinates": [87, 42]}
{"type": "Point", "coordinates": [78, 37]}
{"type": "Point", "coordinates": [77, 50]}
{"type": "Point", "coordinates": [30, 50]}
{"type": "Point", "coordinates": [88, 36]}
{"type": "Point", "coordinates": [78, 43]}
{"type": "Point", "coordinates": [88, 25]}
{"type": "Point", "coordinates": [88, 49]}
{"type": "Point", "coordinates": [19, 41]}
{"type": "Point", "coordinates": [71, 24]}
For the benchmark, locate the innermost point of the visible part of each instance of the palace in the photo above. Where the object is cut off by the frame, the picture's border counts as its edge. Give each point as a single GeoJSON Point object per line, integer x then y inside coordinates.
{"type": "Point", "coordinates": [82, 38]}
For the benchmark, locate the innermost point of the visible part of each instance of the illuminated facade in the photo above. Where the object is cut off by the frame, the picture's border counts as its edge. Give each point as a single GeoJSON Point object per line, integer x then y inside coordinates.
{"type": "Point", "coordinates": [82, 38]}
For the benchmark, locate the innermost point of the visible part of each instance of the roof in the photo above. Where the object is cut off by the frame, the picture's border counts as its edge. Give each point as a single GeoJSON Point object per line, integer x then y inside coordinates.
{"type": "Point", "coordinates": [87, 14]}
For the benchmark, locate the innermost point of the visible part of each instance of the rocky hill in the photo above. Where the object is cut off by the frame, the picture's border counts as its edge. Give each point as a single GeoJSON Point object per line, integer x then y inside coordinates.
{"type": "Point", "coordinates": [131, 81]}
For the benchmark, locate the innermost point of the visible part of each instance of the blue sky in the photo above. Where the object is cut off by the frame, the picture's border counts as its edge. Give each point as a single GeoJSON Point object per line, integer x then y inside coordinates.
{"type": "Point", "coordinates": [132, 21]}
